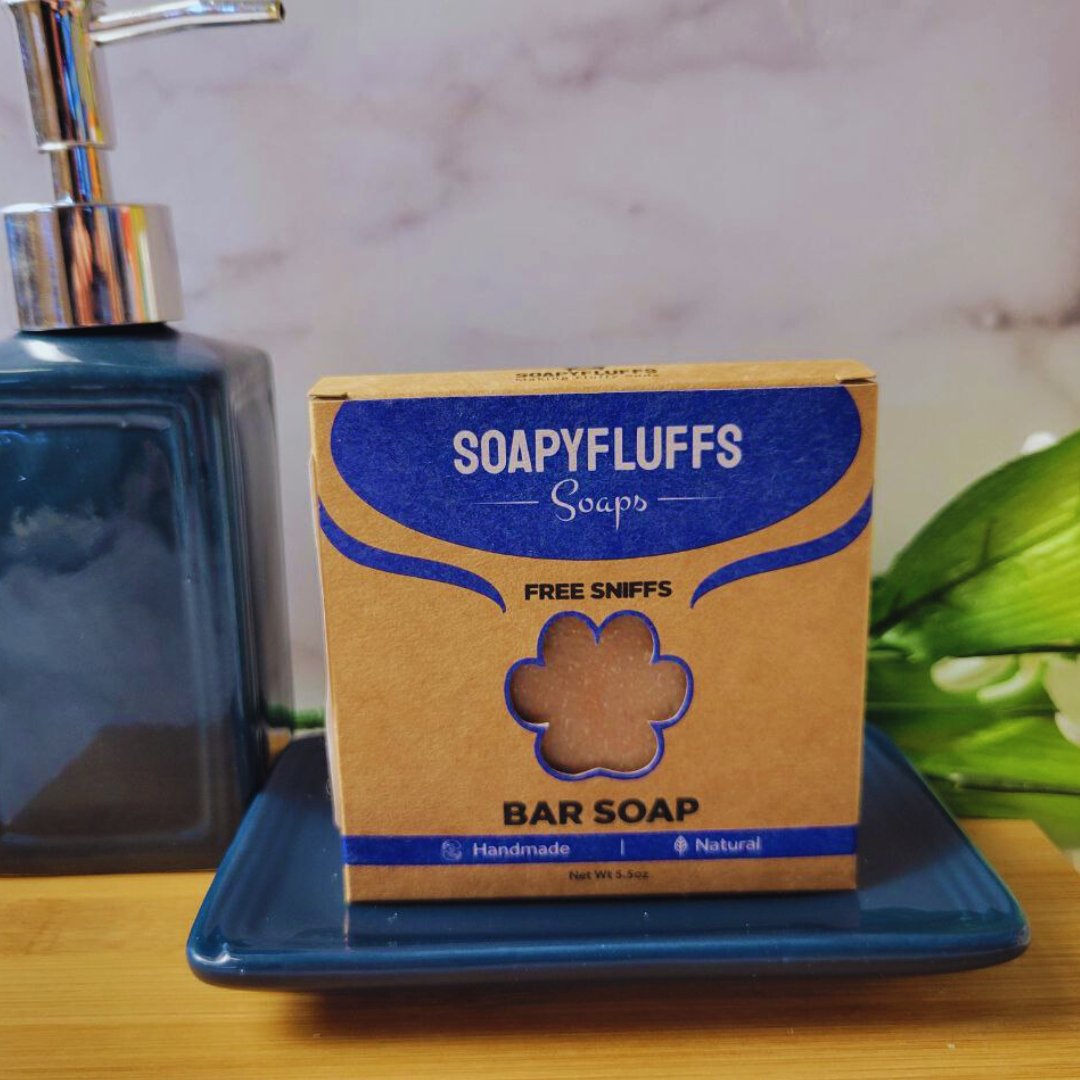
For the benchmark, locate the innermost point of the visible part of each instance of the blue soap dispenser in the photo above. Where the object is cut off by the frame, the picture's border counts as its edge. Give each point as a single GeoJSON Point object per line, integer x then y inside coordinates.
{"type": "Point", "coordinates": [143, 638]}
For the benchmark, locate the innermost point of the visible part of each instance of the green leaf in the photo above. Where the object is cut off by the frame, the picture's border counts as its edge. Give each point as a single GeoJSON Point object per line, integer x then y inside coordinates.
{"type": "Point", "coordinates": [1058, 815]}
{"type": "Point", "coordinates": [1009, 743]}
{"type": "Point", "coordinates": [309, 719]}
{"type": "Point", "coordinates": [297, 719]}
{"type": "Point", "coordinates": [897, 684]}
{"type": "Point", "coordinates": [1023, 753]}
{"type": "Point", "coordinates": [998, 570]}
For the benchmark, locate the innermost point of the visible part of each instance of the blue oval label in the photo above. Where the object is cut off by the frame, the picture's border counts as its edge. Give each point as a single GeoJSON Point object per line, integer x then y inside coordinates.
{"type": "Point", "coordinates": [597, 476]}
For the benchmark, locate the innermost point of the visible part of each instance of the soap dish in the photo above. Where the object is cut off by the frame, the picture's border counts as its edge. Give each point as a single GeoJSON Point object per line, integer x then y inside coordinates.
{"type": "Point", "coordinates": [275, 915]}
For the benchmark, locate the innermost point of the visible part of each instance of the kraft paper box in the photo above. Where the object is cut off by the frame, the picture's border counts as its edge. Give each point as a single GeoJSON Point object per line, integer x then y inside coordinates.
{"type": "Point", "coordinates": [596, 631]}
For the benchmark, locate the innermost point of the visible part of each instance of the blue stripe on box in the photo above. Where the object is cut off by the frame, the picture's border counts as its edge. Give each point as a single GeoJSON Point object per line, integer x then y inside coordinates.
{"type": "Point", "coordinates": [391, 562]}
{"type": "Point", "coordinates": [770, 561]}
{"type": "Point", "coordinates": [667, 846]}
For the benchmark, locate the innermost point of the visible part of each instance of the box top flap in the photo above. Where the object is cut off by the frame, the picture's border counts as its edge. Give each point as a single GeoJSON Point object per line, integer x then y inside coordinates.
{"type": "Point", "coordinates": [711, 376]}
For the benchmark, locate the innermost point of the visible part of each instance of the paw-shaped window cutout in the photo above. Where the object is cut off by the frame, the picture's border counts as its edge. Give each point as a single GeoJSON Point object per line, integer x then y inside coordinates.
{"type": "Point", "coordinates": [598, 698]}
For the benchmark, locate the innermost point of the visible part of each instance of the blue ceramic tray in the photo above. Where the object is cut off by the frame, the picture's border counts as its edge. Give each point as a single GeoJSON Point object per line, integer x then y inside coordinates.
{"type": "Point", "coordinates": [275, 917]}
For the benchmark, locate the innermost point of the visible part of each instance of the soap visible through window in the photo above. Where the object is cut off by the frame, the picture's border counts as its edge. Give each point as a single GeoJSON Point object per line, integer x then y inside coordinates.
{"type": "Point", "coordinates": [599, 694]}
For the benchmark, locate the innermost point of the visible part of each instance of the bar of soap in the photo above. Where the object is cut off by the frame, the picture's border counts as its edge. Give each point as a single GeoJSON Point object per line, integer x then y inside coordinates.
{"type": "Point", "coordinates": [599, 692]}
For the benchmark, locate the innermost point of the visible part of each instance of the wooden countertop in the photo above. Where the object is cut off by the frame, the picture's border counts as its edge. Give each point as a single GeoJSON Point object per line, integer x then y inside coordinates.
{"type": "Point", "coordinates": [93, 982]}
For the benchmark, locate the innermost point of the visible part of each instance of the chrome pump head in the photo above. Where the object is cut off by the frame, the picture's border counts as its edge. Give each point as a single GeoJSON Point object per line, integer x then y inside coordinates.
{"type": "Point", "coordinates": [83, 260]}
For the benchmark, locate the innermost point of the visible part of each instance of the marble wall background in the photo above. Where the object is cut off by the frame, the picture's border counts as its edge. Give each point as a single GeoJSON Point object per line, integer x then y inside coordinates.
{"type": "Point", "coordinates": [417, 184]}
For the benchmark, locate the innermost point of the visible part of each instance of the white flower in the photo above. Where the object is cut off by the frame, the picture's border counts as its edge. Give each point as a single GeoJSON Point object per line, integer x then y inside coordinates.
{"type": "Point", "coordinates": [989, 678]}
{"type": "Point", "coordinates": [966, 674]}
{"type": "Point", "coordinates": [1038, 440]}
{"type": "Point", "coordinates": [1062, 682]}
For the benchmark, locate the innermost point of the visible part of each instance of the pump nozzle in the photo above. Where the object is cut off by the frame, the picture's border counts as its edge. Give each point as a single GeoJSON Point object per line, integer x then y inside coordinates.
{"type": "Point", "coordinates": [164, 18]}
{"type": "Point", "coordinates": [84, 261]}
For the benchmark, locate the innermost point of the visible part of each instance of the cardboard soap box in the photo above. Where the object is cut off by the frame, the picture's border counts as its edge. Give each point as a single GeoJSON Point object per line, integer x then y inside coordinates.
{"type": "Point", "coordinates": [593, 631]}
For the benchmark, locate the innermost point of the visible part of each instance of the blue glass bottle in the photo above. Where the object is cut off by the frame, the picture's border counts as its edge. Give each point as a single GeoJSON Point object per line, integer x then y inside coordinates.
{"type": "Point", "coordinates": [142, 635]}
{"type": "Point", "coordinates": [143, 630]}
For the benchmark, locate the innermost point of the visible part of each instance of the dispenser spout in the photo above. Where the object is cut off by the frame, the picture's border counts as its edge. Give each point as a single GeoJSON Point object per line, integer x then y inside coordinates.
{"type": "Point", "coordinates": [165, 18]}
{"type": "Point", "coordinates": [68, 96]}
{"type": "Point", "coordinates": [85, 260]}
